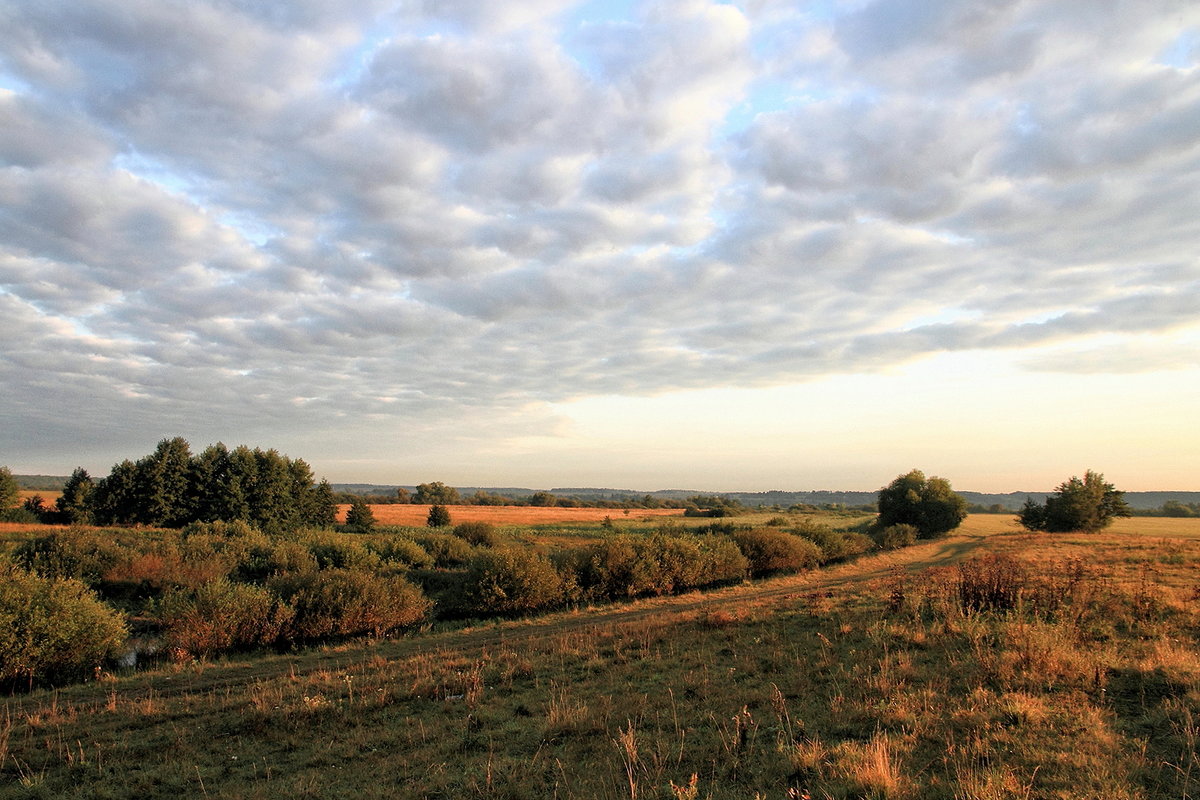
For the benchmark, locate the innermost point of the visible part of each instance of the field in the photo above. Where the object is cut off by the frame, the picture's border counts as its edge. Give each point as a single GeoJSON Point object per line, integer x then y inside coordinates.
{"type": "Point", "coordinates": [415, 515]}
{"type": "Point", "coordinates": [881, 677]}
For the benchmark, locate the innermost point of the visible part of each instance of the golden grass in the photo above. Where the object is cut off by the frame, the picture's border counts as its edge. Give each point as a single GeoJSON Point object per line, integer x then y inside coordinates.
{"type": "Point", "coordinates": [415, 515]}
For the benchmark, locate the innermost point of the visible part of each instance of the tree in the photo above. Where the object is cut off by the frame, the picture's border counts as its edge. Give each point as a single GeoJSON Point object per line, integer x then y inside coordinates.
{"type": "Point", "coordinates": [1087, 505]}
{"type": "Point", "coordinates": [436, 493]}
{"type": "Point", "coordinates": [439, 516]}
{"type": "Point", "coordinates": [359, 516]}
{"type": "Point", "coordinates": [929, 505]}
{"type": "Point", "coordinates": [75, 503]}
{"type": "Point", "coordinates": [8, 489]}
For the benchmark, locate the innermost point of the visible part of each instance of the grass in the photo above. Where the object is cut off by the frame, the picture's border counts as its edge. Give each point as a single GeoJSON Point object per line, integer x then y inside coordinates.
{"type": "Point", "coordinates": [869, 679]}
{"type": "Point", "coordinates": [416, 515]}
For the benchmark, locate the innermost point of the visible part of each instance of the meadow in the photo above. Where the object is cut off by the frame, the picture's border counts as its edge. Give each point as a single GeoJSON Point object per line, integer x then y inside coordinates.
{"type": "Point", "coordinates": [992, 663]}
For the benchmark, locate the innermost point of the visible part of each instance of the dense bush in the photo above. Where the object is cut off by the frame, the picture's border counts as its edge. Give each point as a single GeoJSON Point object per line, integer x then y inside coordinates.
{"type": "Point", "coordinates": [930, 505]}
{"type": "Point", "coordinates": [402, 550]}
{"type": "Point", "coordinates": [834, 545]}
{"type": "Point", "coordinates": [770, 551]}
{"type": "Point", "coordinates": [893, 536]}
{"type": "Point", "coordinates": [220, 616]}
{"type": "Point", "coordinates": [342, 602]}
{"type": "Point", "coordinates": [512, 581]}
{"type": "Point", "coordinates": [480, 534]}
{"type": "Point", "coordinates": [627, 566]}
{"type": "Point", "coordinates": [53, 629]}
{"type": "Point", "coordinates": [341, 552]}
{"type": "Point", "coordinates": [74, 553]}
{"type": "Point", "coordinates": [448, 551]}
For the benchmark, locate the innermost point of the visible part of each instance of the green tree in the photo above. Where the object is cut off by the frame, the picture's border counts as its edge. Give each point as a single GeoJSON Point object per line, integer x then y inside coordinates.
{"type": "Point", "coordinates": [359, 516]}
{"type": "Point", "coordinates": [436, 493]}
{"type": "Point", "coordinates": [1087, 505]}
{"type": "Point", "coordinates": [928, 504]}
{"type": "Point", "coordinates": [75, 503]}
{"type": "Point", "coordinates": [439, 516]}
{"type": "Point", "coordinates": [9, 491]}
{"type": "Point", "coordinates": [163, 481]}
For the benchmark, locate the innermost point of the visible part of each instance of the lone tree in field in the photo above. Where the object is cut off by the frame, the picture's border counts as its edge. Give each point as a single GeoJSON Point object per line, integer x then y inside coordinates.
{"type": "Point", "coordinates": [75, 503]}
{"type": "Point", "coordinates": [1077, 505]}
{"type": "Point", "coordinates": [928, 504]}
{"type": "Point", "coordinates": [439, 516]}
{"type": "Point", "coordinates": [359, 516]}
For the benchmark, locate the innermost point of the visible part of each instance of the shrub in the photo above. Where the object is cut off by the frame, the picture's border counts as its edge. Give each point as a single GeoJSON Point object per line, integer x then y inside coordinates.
{"type": "Point", "coordinates": [834, 545]}
{"type": "Point", "coordinates": [447, 551]}
{"type": "Point", "coordinates": [513, 581]}
{"type": "Point", "coordinates": [342, 602]}
{"type": "Point", "coordinates": [80, 554]}
{"type": "Point", "coordinates": [220, 616]}
{"type": "Point", "coordinates": [770, 552]}
{"type": "Point", "coordinates": [402, 550]}
{"type": "Point", "coordinates": [340, 552]}
{"type": "Point", "coordinates": [439, 517]}
{"type": "Point", "coordinates": [53, 629]}
{"type": "Point", "coordinates": [612, 569]}
{"type": "Point", "coordinates": [262, 561]}
{"type": "Point", "coordinates": [893, 536]}
{"type": "Point", "coordinates": [480, 534]}
{"type": "Point", "coordinates": [723, 561]}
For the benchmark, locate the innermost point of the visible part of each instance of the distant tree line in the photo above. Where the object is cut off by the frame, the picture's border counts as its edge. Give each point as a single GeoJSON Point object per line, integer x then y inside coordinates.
{"type": "Point", "coordinates": [171, 488]}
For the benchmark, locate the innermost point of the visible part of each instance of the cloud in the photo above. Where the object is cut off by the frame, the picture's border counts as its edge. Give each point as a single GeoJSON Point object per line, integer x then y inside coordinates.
{"type": "Point", "coordinates": [263, 217]}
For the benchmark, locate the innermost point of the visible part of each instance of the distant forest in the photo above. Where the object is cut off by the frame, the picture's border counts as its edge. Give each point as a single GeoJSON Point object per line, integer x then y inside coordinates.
{"type": "Point", "coordinates": [1173, 503]}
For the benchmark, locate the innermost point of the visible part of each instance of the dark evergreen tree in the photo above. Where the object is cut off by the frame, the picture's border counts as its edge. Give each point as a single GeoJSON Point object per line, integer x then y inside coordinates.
{"type": "Point", "coordinates": [75, 504]}
{"type": "Point", "coordinates": [439, 516]}
{"type": "Point", "coordinates": [1087, 505]}
{"type": "Point", "coordinates": [115, 497]}
{"type": "Point", "coordinates": [359, 516]}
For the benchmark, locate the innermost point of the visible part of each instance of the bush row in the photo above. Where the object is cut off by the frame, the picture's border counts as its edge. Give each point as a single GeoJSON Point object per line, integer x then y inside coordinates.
{"type": "Point", "coordinates": [217, 587]}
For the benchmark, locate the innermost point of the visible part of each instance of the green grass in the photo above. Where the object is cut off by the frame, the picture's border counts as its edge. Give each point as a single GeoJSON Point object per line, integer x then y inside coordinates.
{"type": "Point", "coordinates": [864, 680]}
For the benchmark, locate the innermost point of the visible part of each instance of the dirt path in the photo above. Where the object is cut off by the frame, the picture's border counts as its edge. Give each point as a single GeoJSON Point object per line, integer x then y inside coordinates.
{"type": "Point", "coordinates": [223, 675]}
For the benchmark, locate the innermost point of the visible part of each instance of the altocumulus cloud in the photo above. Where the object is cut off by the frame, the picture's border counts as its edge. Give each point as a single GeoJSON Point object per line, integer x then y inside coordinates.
{"type": "Point", "coordinates": [246, 219]}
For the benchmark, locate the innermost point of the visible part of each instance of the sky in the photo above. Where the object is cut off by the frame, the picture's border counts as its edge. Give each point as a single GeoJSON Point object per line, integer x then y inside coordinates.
{"type": "Point", "coordinates": [682, 244]}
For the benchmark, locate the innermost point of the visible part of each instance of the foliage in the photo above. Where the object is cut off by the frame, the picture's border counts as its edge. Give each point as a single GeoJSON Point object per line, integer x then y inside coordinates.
{"type": "Point", "coordinates": [80, 554]}
{"type": "Point", "coordinates": [75, 502]}
{"type": "Point", "coordinates": [359, 517]}
{"type": "Point", "coordinates": [170, 488]}
{"type": "Point", "coordinates": [436, 494]}
{"type": "Point", "coordinates": [480, 534]}
{"type": "Point", "coordinates": [219, 616]}
{"type": "Point", "coordinates": [403, 551]}
{"type": "Point", "coordinates": [1086, 505]}
{"type": "Point", "coordinates": [929, 505]}
{"type": "Point", "coordinates": [439, 517]}
{"type": "Point", "coordinates": [53, 628]}
{"type": "Point", "coordinates": [834, 545]}
{"type": "Point", "coordinates": [9, 490]}
{"type": "Point", "coordinates": [448, 551]}
{"type": "Point", "coordinates": [513, 581]}
{"type": "Point", "coordinates": [343, 602]}
{"type": "Point", "coordinates": [771, 552]}
{"type": "Point", "coordinates": [893, 536]}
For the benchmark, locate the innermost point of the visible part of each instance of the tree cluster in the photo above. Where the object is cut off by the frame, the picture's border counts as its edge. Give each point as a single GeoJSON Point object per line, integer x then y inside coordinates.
{"type": "Point", "coordinates": [927, 504]}
{"type": "Point", "coordinates": [171, 488]}
{"type": "Point", "coordinates": [1087, 505]}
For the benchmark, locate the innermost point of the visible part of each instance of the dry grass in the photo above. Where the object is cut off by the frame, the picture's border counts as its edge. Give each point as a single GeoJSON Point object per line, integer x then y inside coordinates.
{"type": "Point", "coordinates": [415, 515]}
{"type": "Point", "coordinates": [810, 686]}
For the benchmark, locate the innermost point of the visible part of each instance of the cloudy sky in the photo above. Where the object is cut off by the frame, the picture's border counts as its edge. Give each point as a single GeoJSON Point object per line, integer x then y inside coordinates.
{"type": "Point", "coordinates": [692, 244]}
